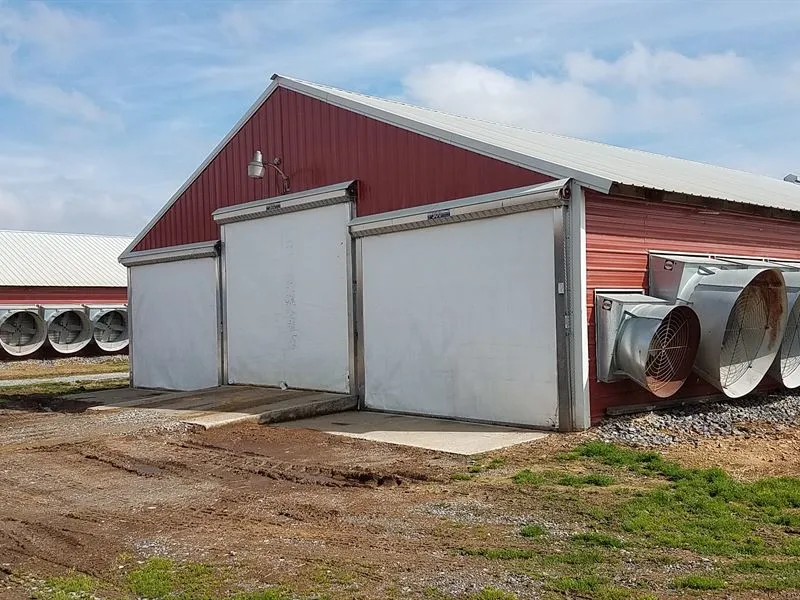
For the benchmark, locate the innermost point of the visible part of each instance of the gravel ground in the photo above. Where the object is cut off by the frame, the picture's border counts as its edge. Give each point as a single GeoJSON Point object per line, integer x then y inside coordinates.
{"type": "Point", "coordinates": [52, 362]}
{"type": "Point", "coordinates": [703, 421]}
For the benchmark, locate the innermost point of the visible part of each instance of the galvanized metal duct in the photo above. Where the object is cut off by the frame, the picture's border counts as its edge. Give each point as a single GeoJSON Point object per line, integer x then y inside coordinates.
{"type": "Point", "coordinates": [645, 339]}
{"type": "Point", "coordinates": [742, 315]}
{"type": "Point", "coordinates": [656, 346]}
{"type": "Point", "coordinates": [786, 367]}
{"type": "Point", "coordinates": [68, 330]}
{"type": "Point", "coordinates": [22, 331]}
{"type": "Point", "coordinates": [110, 328]}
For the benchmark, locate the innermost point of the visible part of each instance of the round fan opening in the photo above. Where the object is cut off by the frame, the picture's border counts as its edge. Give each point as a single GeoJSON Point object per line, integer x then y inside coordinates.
{"type": "Point", "coordinates": [21, 333]}
{"type": "Point", "coordinates": [111, 330]}
{"type": "Point", "coordinates": [790, 349]}
{"type": "Point", "coordinates": [672, 351]}
{"type": "Point", "coordinates": [69, 331]}
{"type": "Point", "coordinates": [751, 329]}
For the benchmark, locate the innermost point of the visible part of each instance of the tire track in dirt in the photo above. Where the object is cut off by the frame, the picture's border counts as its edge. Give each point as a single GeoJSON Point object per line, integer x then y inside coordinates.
{"type": "Point", "coordinates": [258, 464]}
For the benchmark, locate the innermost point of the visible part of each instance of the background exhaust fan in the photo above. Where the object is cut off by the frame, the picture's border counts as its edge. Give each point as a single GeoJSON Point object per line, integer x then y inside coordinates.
{"type": "Point", "coordinates": [68, 330]}
{"type": "Point", "coordinates": [110, 328]}
{"type": "Point", "coordinates": [786, 367]}
{"type": "Point", "coordinates": [645, 339]}
{"type": "Point", "coordinates": [743, 314]}
{"type": "Point", "coordinates": [22, 331]}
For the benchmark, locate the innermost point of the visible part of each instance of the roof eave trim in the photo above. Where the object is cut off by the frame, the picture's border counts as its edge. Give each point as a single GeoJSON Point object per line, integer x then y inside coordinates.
{"type": "Point", "coordinates": [600, 184]}
{"type": "Point", "coordinates": [516, 200]}
{"type": "Point", "coordinates": [171, 254]}
{"type": "Point", "coordinates": [313, 198]}
{"type": "Point", "coordinates": [217, 149]}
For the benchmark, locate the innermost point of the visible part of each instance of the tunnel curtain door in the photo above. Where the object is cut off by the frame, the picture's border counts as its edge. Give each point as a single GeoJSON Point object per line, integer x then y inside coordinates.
{"type": "Point", "coordinates": [287, 290]}
{"type": "Point", "coordinates": [174, 322]}
{"type": "Point", "coordinates": [459, 320]}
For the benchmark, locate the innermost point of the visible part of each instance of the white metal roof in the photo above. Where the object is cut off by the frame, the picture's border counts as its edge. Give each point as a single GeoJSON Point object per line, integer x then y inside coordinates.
{"type": "Point", "coordinates": [38, 259]}
{"type": "Point", "coordinates": [595, 165]}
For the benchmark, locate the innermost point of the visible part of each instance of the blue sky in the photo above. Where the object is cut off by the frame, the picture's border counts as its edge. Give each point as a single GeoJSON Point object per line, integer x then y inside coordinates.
{"type": "Point", "coordinates": [106, 107]}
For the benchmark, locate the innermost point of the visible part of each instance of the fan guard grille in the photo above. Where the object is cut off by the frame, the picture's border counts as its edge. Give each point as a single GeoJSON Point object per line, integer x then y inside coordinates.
{"type": "Point", "coordinates": [66, 328]}
{"type": "Point", "coordinates": [744, 334]}
{"type": "Point", "coordinates": [110, 327]}
{"type": "Point", "coordinates": [790, 347]}
{"type": "Point", "coordinates": [18, 330]}
{"type": "Point", "coordinates": [671, 352]}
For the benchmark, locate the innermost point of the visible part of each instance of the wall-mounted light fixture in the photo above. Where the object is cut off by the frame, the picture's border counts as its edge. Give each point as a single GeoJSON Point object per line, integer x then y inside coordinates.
{"type": "Point", "coordinates": [255, 169]}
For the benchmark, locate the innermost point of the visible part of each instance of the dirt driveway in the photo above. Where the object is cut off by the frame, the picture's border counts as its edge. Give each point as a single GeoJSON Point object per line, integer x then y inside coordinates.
{"type": "Point", "coordinates": [318, 513]}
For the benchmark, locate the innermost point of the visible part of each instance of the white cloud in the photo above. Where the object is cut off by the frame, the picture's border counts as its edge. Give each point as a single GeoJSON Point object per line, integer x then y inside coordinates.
{"type": "Point", "coordinates": [641, 66]}
{"type": "Point", "coordinates": [70, 103]}
{"type": "Point", "coordinates": [535, 102]}
{"type": "Point", "coordinates": [55, 31]}
{"type": "Point", "coordinates": [12, 210]}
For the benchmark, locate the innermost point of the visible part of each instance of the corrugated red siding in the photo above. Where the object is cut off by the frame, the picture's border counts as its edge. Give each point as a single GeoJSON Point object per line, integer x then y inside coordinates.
{"type": "Point", "coordinates": [59, 295]}
{"type": "Point", "coordinates": [619, 234]}
{"type": "Point", "coordinates": [320, 144]}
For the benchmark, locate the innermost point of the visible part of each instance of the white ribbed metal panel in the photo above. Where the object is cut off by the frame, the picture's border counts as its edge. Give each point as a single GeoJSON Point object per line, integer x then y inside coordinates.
{"type": "Point", "coordinates": [286, 299]}
{"type": "Point", "coordinates": [459, 320]}
{"type": "Point", "coordinates": [37, 259]}
{"type": "Point", "coordinates": [174, 324]}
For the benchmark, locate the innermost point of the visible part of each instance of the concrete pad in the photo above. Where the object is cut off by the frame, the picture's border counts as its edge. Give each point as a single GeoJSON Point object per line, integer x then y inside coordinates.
{"type": "Point", "coordinates": [454, 437]}
{"type": "Point", "coordinates": [225, 405]}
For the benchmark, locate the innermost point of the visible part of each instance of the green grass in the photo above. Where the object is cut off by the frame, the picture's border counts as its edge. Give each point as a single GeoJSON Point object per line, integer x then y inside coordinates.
{"type": "Point", "coordinates": [768, 575]}
{"type": "Point", "coordinates": [161, 578]}
{"type": "Point", "coordinates": [480, 467]}
{"type": "Point", "coordinates": [527, 477]}
{"type": "Point", "coordinates": [583, 557]}
{"type": "Point", "coordinates": [598, 539]}
{"type": "Point", "coordinates": [699, 582]}
{"type": "Point", "coordinates": [75, 586]}
{"type": "Point", "coordinates": [596, 479]}
{"type": "Point", "coordinates": [585, 584]}
{"type": "Point", "coordinates": [531, 530]}
{"type": "Point", "coordinates": [461, 476]}
{"type": "Point", "coordinates": [704, 510]}
{"type": "Point", "coordinates": [55, 389]}
{"type": "Point", "coordinates": [492, 593]}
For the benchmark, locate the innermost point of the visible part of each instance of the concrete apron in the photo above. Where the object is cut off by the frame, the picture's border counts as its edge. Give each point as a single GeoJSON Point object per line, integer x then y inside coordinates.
{"type": "Point", "coordinates": [454, 437]}
{"type": "Point", "coordinates": [222, 406]}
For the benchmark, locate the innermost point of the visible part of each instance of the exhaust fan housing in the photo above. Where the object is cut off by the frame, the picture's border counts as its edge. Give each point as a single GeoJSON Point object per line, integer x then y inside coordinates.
{"type": "Point", "coordinates": [646, 339]}
{"type": "Point", "coordinates": [742, 307]}
{"type": "Point", "coordinates": [22, 331]}
{"type": "Point", "coordinates": [69, 330]}
{"type": "Point", "coordinates": [786, 368]}
{"type": "Point", "coordinates": [110, 327]}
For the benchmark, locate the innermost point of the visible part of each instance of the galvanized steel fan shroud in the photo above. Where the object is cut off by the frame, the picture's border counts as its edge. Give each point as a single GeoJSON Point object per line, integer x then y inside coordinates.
{"type": "Point", "coordinates": [671, 351]}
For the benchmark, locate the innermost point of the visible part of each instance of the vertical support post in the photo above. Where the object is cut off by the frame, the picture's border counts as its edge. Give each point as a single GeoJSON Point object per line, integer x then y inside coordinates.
{"type": "Point", "coordinates": [563, 325]}
{"type": "Point", "coordinates": [222, 313]}
{"type": "Point", "coordinates": [352, 286]}
{"type": "Point", "coordinates": [130, 329]}
{"type": "Point", "coordinates": [579, 317]}
{"type": "Point", "coordinates": [359, 322]}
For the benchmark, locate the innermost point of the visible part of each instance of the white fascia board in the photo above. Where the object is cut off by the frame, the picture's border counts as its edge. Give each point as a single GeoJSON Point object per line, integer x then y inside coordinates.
{"type": "Point", "coordinates": [600, 184]}
{"type": "Point", "coordinates": [545, 195]}
{"type": "Point", "coordinates": [234, 130]}
{"type": "Point", "coordinates": [323, 196]}
{"type": "Point", "coordinates": [171, 254]}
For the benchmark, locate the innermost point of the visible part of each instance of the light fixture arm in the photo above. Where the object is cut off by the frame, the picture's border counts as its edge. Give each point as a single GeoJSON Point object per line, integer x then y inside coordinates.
{"type": "Point", "coordinates": [255, 169]}
{"type": "Point", "coordinates": [275, 164]}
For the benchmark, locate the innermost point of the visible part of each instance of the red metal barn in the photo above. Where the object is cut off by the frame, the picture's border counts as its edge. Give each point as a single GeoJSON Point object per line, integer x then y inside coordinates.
{"type": "Point", "coordinates": [440, 265]}
{"type": "Point", "coordinates": [61, 291]}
